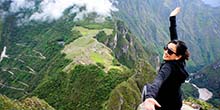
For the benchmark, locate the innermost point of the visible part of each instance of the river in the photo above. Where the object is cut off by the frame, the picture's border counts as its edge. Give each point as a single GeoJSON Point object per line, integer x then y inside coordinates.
{"type": "Point", "coordinates": [204, 93]}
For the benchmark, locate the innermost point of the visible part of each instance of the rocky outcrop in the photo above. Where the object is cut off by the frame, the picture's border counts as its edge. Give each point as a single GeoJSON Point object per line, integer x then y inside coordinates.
{"type": "Point", "coordinates": [32, 103]}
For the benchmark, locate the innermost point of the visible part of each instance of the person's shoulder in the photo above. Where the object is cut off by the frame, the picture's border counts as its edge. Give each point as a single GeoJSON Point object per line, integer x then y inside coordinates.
{"type": "Point", "coordinates": [175, 65]}
{"type": "Point", "coordinates": [167, 64]}
{"type": "Point", "coordinates": [170, 64]}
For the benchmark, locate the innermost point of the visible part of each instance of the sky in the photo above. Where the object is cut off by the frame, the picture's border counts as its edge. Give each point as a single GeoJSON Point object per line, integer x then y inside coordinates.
{"type": "Point", "coordinates": [53, 9]}
{"type": "Point", "coordinates": [213, 3]}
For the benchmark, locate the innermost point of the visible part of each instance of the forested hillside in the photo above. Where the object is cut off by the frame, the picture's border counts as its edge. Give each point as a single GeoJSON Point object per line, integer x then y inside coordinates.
{"type": "Point", "coordinates": [209, 77]}
{"type": "Point", "coordinates": [72, 63]}
{"type": "Point", "coordinates": [32, 103]}
{"type": "Point", "coordinates": [79, 57]}
{"type": "Point", "coordinates": [197, 25]}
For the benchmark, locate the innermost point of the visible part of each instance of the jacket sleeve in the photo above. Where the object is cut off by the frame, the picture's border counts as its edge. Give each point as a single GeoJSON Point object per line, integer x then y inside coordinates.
{"type": "Point", "coordinates": [163, 74]}
{"type": "Point", "coordinates": [172, 28]}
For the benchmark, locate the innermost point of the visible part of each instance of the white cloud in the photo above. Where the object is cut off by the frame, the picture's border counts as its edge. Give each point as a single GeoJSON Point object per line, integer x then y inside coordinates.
{"type": "Point", "coordinates": [53, 9]}
{"type": "Point", "coordinates": [16, 5]}
{"type": "Point", "coordinates": [214, 3]}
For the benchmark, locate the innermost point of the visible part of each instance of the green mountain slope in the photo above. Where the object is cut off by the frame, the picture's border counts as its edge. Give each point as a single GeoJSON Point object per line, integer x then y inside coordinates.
{"type": "Point", "coordinates": [85, 64]}
{"type": "Point", "coordinates": [209, 77]}
{"type": "Point", "coordinates": [71, 64]}
{"type": "Point", "coordinates": [86, 87]}
{"type": "Point", "coordinates": [0, 29]}
{"type": "Point", "coordinates": [87, 50]}
{"type": "Point", "coordinates": [197, 26]}
{"type": "Point", "coordinates": [127, 95]}
{"type": "Point", "coordinates": [34, 52]}
{"type": "Point", "coordinates": [32, 103]}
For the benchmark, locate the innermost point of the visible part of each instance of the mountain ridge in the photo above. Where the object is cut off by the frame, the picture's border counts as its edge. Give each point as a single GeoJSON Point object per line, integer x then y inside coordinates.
{"type": "Point", "coordinates": [39, 65]}
{"type": "Point", "coordinates": [150, 22]}
{"type": "Point", "coordinates": [42, 67]}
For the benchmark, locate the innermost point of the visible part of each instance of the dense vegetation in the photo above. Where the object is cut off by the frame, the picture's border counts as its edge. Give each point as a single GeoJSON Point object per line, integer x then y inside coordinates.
{"type": "Point", "coordinates": [34, 52]}
{"type": "Point", "coordinates": [209, 77]}
{"type": "Point", "coordinates": [190, 91]}
{"type": "Point", "coordinates": [40, 63]}
{"type": "Point", "coordinates": [84, 88]}
{"type": "Point", "coordinates": [32, 103]}
{"type": "Point", "coordinates": [0, 29]}
{"type": "Point", "coordinates": [197, 25]}
{"type": "Point", "coordinates": [204, 105]}
{"type": "Point", "coordinates": [84, 64]}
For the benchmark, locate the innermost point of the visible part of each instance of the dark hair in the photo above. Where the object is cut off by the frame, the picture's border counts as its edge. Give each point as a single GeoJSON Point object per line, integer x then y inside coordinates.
{"type": "Point", "coordinates": [181, 49]}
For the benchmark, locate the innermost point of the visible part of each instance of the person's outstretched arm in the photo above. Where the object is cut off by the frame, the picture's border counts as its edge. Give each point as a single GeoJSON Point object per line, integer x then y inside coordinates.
{"type": "Point", "coordinates": [173, 32]}
{"type": "Point", "coordinates": [150, 103]}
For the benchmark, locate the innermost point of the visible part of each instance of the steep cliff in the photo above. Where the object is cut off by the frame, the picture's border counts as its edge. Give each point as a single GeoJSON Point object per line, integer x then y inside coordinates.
{"type": "Point", "coordinates": [197, 25]}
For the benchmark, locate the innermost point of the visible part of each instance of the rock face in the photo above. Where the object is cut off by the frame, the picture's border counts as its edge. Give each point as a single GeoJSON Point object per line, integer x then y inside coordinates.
{"type": "Point", "coordinates": [186, 106]}
{"type": "Point", "coordinates": [32, 103]}
{"type": "Point", "coordinates": [190, 106]}
{"type": "Point", "coordinates": [205, 94]}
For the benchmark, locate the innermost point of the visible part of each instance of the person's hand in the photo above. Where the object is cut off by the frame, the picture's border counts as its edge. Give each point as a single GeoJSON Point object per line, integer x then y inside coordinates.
{"type": "Point", "coordinates": [149, 104]}
{"type": "Point", "coordinates": [175, 11]}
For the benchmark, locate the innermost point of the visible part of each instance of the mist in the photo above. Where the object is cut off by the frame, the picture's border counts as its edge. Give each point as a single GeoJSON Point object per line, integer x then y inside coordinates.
{"type": "Point", "coordinates": [53, 9]}
{"type": "Point", "coordinates": [213, 3]}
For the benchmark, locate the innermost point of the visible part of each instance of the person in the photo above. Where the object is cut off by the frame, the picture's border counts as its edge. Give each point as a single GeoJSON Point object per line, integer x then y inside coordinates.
{"type": "Point", "coordinates": [164, 93]}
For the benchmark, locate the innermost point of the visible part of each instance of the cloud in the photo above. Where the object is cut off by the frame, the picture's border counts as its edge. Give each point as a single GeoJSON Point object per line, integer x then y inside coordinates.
{"type": "Point", "coordinates": [53, 9]}
{"type": "Point", "coordinates": [17, 5]}
{"type": "Point", "coordinates": [214, 3]}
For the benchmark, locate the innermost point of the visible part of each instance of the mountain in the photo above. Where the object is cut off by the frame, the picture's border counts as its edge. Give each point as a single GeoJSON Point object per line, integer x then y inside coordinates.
{"type": "Point", "coordinates": [32, 103]}
{"type": "Point", "coordinates": [72, 63]}
{"type": "Point", "coordinates": [79, 59]}
{"type": "Point", "coordinates": [197, 25]}
{"type": "Point", "coordinates": [208, 77]}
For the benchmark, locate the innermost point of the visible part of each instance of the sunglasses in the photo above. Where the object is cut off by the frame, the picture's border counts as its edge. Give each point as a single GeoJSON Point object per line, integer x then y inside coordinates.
{"type": "Point", "coordinates": [169, 51]}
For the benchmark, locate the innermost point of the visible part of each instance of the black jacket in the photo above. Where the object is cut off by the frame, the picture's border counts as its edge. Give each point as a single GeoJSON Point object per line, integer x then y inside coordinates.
{"type": "Point", "coordinates": [172, 28]}
{"type": "Point", "coordinates": [166, 87]}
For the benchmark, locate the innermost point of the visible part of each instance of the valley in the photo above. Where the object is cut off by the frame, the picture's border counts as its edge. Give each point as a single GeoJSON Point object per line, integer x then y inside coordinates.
{"type": "Point", "coordinates": [98, 55]}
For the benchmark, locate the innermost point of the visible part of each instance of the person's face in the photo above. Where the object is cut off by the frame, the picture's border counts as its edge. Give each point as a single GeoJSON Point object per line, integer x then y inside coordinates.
{"type": "Point", "coordinates": [170, 52]}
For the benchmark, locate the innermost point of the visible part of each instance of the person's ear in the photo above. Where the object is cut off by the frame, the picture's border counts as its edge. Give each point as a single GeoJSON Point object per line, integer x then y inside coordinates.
{"type": "Point", "coordinates": [178, 57]}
